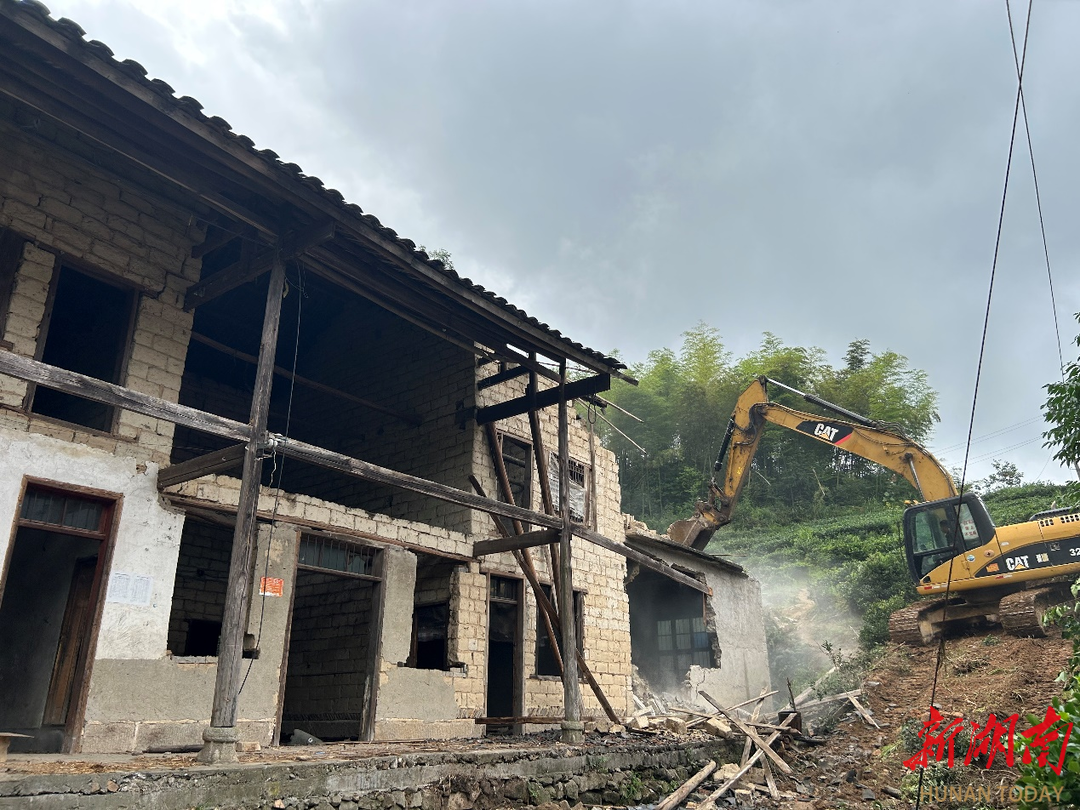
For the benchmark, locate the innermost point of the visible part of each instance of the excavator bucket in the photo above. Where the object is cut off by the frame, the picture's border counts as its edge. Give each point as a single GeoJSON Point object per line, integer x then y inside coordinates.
{"type": "Point", "coordinates": [697, 531]}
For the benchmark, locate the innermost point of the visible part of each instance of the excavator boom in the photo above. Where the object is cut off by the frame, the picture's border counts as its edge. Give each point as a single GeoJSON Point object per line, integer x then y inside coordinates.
{"type": "Point", "coordinates": [855, 434]}
{"type": "Point", "coordinates": [979, 572]}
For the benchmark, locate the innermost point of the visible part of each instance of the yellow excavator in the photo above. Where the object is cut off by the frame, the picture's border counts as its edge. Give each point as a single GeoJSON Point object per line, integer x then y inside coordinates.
{"type": "Point", "coordinates": [981, 573]}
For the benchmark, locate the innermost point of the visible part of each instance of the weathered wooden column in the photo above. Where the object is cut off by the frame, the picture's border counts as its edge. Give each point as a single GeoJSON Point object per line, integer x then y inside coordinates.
{"type": "Point", "coordinates": [573, 731]}
{"type": "Point", "coordinates": [221, 737]}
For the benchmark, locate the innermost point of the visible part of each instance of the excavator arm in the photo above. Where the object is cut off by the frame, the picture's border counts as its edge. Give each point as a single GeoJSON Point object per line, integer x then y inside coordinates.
{"type": "Point", "coordinates": [855, 434]}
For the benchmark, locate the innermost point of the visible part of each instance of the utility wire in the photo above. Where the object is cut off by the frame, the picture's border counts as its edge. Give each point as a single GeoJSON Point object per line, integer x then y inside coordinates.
{"type": "Point", "coordinates": [982, 351]}
{"type": "Point", "coordinates": [1038, 199]}
{"type": "Point", "coordinates": [990, 435]}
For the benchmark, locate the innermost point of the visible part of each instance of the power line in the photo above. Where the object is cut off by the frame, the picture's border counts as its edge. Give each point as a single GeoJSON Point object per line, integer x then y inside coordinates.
{"type": "Point", "coordinates": [982, 344]}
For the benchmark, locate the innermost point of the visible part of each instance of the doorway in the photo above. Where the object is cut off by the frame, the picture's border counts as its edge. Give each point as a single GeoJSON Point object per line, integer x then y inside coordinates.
{"type": "Point", "coordinates": [332, 641]}
{"type": "Point", "coordinates": [51, 597]}
{"type": "Point", "coordinates": [504, 693]}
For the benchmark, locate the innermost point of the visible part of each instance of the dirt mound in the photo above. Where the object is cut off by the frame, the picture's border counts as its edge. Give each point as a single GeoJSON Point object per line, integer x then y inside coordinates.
{"type": "Point", "coordinates": [861, 765]}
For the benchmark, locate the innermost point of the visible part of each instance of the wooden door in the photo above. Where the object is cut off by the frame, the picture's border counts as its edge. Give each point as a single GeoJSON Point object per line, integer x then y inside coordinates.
{"type": "Point", "coordinates": [71, 650]}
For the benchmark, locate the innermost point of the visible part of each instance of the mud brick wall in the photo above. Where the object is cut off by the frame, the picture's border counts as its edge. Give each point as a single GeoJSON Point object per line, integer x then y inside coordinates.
{"type": "Point", "coordinates": [408, 371]}
{"type": "Point", "coordinates": [599, 574]}
{"type": "Point", "coordinates": [57, 192]}
{"type": "Point", "coordinates": [328, 654]}
{"type": "Point", "coordinates": [202, 575]}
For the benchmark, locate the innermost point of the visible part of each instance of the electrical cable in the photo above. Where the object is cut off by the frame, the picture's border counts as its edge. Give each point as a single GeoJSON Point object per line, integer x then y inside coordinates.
{"type": "Point", "coordinates": [280, 470]}
{"type": "Point", "coordinates": [1038, 205]}
{"type": "Point", "coordinates": [982, 353]}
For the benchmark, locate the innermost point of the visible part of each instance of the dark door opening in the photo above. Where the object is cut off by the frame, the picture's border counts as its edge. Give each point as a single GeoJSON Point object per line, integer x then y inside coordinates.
{"type": "Point", "coordinates": [504, 652]}
{"type": "Point", "coordinates": [51, 592]}
{"type": "Point", "coordinates": [328, 678]}
{"type": "Point", "coordinates": [52, 589]}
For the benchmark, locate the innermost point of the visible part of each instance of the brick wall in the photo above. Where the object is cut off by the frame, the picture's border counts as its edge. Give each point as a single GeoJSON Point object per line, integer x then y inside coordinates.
{"type": "Point", "coordinates": [328, 655]}
{"type": "Point", "coordinates": [58, 192]}
{"type": "Point", "coordinates": [598, 573]}
{"type": "Point", "coordinates": [202, 575]}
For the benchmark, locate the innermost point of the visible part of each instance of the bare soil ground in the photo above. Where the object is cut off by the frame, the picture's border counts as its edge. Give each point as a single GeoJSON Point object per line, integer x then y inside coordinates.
{"type": "Point", "coordinates": [859, 765]}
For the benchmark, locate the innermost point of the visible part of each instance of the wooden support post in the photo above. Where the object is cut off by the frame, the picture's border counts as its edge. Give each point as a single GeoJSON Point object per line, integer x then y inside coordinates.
{"type": "Point", "coordinates": [573, 731]}
{"type": "Point", "coordinates": [542, 473]}
{"type": "Point", "coordinates": [221, 737]}
{"type": "Point", "coordinates": [550, 615]}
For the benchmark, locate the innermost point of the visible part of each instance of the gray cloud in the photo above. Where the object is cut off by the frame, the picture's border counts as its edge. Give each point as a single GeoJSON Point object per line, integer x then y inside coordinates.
{"type": "Point", "coordinates": [823, 170]}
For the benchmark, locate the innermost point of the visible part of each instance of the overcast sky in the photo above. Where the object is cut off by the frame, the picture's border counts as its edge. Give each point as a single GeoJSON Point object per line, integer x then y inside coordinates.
{"type": "Point", "coordinates": [622, 169]}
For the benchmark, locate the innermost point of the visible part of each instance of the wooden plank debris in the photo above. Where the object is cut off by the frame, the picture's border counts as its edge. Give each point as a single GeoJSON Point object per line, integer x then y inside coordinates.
{"type": "Point", "coordinates": [687, 787]}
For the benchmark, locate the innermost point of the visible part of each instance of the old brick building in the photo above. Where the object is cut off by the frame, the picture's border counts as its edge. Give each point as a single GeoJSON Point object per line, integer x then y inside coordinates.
{"type": "Point", "coordinates": [202, 347]}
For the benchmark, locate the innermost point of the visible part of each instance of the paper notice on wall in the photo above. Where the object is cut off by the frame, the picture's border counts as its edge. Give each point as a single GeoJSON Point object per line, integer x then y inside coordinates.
{"type": "Point", "coordinates": [130, 589]}
{"type": "Point", "coordinates": [271, 586]}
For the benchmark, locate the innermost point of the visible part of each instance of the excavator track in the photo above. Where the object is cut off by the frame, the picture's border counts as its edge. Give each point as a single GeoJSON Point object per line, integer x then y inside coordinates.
{"type": "Point", "coordinates": [912, 625]}
{"type": "Point", "coordinates": [1022, 613]}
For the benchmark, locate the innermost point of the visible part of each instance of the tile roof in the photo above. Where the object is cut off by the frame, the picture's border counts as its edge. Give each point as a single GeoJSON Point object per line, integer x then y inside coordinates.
{"type": "Point", "coordinates": [76, 36]}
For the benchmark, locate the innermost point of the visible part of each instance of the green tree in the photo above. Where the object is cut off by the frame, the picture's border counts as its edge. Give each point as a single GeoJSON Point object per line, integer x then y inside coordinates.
{"type": "Point", "coordinates": [1062, 410]}
{"type": "Point", "coordinates": [686, 397]}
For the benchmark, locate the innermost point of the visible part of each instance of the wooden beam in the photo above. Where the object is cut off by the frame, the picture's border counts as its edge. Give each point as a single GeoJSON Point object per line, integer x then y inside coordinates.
{"type": "Point", "coordinates": [551, 616]}
{"type": "Point", "coordinates": [71, 382]}
{"type": "Point", "coordinates": [241, 272]}
{"type": "Point", "coordinates": [212, 243]}
{"type": "Point", "coordinates": [410, 419]}
{"type": "Point", "coordinates": [195, 505]}
{"type": "Point", "coordinates": [516, 542]}
{"type": "Point", "coordinates": [572, 730]}
{"type": "Point", "coordinates": [219, 461]}
{"type": "Point", "coordinates": [542, 399]}
{"type": "Point", "coordinates": [221, 744]}
{"type": "Point", "coordinates": [502, 376]}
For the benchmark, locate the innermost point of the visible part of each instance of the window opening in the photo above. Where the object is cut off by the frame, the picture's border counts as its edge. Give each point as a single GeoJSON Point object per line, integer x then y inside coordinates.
{"type": "Point", "coordinates": [545, 656]}
{"type": "Point", "coordinates": [202, 577]}
{"type": "Point", "coordinates": [88, 327]}
{"type": "Point", "coordinates": [431, 613]}
{"type": "Point", "coordinates": [578, 472]}
{"type": "Point", "coordinates": [331, 554]}
{"type": "Point", "coordinates": [431, 625]}
{"type": "Point", "coordinates": [64, 511]}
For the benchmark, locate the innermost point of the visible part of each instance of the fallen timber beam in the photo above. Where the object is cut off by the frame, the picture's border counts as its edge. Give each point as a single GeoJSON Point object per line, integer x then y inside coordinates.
{"type": "Point", "coordinates": [71, 382]}
{"type": "Point", "coordinates": [515, 721]}
{"type": "Point", "coordinates": [239, 273]}
{"type": "Point", "coordinates": [517, 542]}
{"type": "Point", "coordinates": [714, 797]}
{"type": "Point", "coordinates": [543, 399]}
{"type": "Point", "coordinates": [81, 385]}
{"type": "Point", "coordinates": [280, 371]}
{"type": "Point", "coordinates": [688, 787]}
{"type": "Point", "coordinates": [219, 461]}
{"type": "Point", "coordinates": [751, 735]}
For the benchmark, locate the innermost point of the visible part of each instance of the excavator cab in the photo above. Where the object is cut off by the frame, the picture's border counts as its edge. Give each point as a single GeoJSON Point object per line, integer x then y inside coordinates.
{"type": "Point", "coordinates": [936, 531]}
